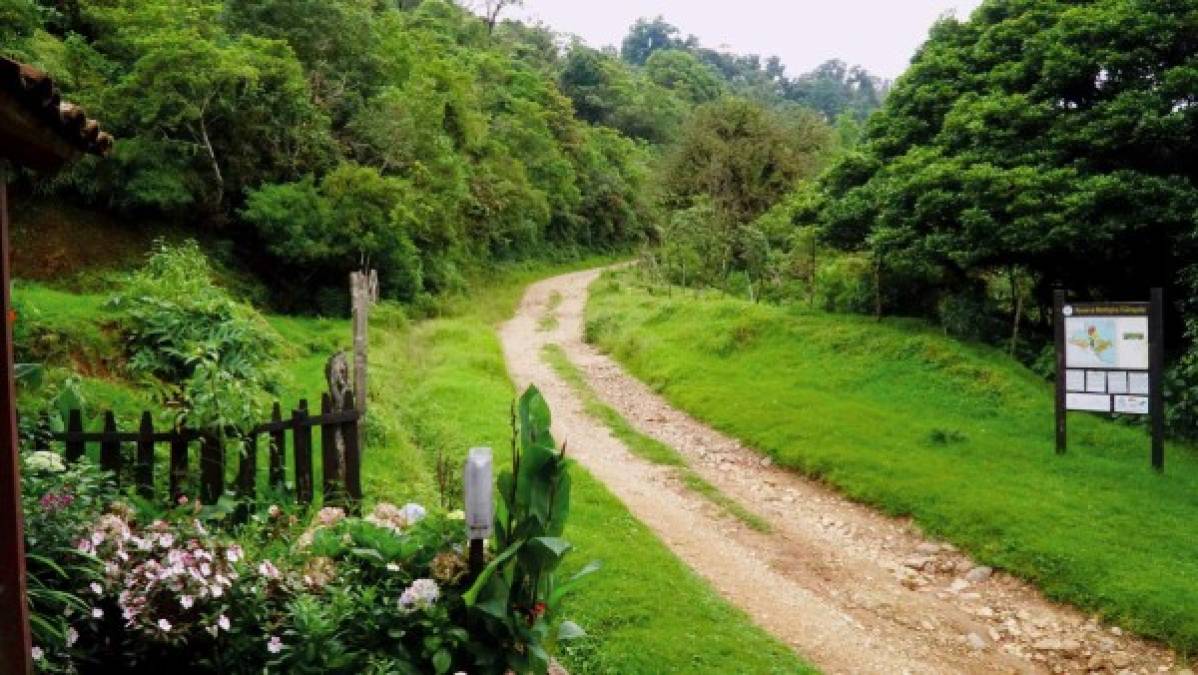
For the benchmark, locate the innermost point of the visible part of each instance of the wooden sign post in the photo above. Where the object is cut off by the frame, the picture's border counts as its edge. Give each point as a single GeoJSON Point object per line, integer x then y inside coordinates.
{"type": "Point", "coordinates": [1111, 359]}
{"type": "Point", "coordinates": [364, 293]}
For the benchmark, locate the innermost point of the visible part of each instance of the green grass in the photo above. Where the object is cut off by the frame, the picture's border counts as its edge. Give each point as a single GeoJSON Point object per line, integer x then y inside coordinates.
{"type": "Point", "coordinates": [644, 446]}
{"type": "Point", "coordinates": [956, 435]}
{"type": "Point", "coordinates": [646, 612]}
{"type": "Point", "coordinates": [439, 387]}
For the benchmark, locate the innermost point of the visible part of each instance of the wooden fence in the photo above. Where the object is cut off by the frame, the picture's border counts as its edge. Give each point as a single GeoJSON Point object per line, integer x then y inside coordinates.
{"type": "Point", "coordinates": [339, 443]}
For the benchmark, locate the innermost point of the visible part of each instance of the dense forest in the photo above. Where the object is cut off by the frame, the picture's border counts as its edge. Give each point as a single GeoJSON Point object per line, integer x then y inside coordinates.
{"type": "Point", "coordinates": [415, 135]}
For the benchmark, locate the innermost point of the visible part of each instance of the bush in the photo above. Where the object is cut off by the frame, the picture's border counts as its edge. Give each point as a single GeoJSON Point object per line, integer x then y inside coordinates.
{"type": "Point", "coordinates": [844, 284]}
{"type": "Point", "coordinates": [60, 503]}
{"type": "Point", "coordinates": [385, 593]}
{"type": "Point", "coordinates": [209, 357]}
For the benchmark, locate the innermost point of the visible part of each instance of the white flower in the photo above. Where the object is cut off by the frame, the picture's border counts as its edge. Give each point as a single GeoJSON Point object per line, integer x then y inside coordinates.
{"type": "Point", "coordinates": [216, 591]}
{"type": "Point", "coordinates": [97, 613]}
{"type": "Point", "coordinates": [72, 636]}
{"type": "Point", "coordinates": [213, 630]}
{"type": "Point", "coordinates": [414, 513]}
{"type": "Point", "coordinates": [274, 645]}
{"type": "Point", "coordinates": [37, 653]}
{"type": "Point", "coordinates": [223, 622]}
{"type": "Point", "coordinates": [164, 625]}
{"type": "Point", "coordinates": [96, 588]}
{"type": "Point", "coordinates": [205, 569]}
{"type": "Point", "coordinates": [392, 567]}
{"type": "Point", "coordinates": [44, 461]}
{"type": "Point", "coordinates": [421, 594]}
{"type": "Point", "coordinates": [233, 554]}
{"type": "Point", "coordinates": [187, 601]}
{"type": "Point", "coordinates": [273, 511]}
{"type": "Point", "coordinates": [166, 540]}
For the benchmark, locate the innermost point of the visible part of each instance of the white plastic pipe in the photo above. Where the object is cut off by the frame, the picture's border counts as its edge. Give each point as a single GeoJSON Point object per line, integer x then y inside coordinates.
{"type": "Point", "coordinates": [480, 506]}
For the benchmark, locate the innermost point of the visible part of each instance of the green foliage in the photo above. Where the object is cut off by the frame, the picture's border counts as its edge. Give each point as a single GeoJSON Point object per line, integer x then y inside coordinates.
{"type": "Point", "coordinates": [517, 597]}
{"type": "Point", "coordinates": [209, 358]}
{"type": "Point", "coordinates": [955, 435]}
{"type": "Point", "coordinates": [60, 504]}
{"type": "Point", "coordinates": [1045, 136]}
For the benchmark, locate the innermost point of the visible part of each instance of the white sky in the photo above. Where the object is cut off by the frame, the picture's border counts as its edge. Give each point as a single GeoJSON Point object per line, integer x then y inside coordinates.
{"type": "Point", "coordinates": [880, 35]}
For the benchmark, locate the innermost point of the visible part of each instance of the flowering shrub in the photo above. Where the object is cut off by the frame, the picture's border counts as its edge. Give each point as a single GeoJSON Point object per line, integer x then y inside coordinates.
{"type": "Point", "coordinates": [59, 503]}
{"type": "Point", "coordinates": [386, 593]}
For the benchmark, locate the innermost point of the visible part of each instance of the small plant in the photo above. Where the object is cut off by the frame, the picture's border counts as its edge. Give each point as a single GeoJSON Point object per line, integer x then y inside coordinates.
{"type": "Point", "coordinates": [940, 436]}
{"type": "Point", "coordinates": [517, 597]}
{"type": "Point", "coordinates": [209, 357]}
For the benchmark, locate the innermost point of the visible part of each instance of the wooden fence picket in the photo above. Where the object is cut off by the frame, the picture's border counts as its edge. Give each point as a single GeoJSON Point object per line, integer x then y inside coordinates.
{"type": "Point", "coordinates": [340, 454]}
{"type": "Point", "coordinates": [145, 456]}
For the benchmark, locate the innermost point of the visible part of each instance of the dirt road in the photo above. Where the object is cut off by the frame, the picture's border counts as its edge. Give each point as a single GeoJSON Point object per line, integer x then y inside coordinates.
{"type": "Point", "coordinates": [849, 589]}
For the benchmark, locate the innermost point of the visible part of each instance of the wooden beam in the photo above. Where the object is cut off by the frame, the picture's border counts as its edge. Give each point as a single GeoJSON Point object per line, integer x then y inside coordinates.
{"type": "Point", "coordinates": [15, 641]}
{"type": "Point", "coordinates": [26, 140]}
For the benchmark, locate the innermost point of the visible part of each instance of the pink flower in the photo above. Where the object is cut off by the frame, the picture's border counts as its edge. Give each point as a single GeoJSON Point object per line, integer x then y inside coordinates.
{"type": "Point", "coordinates": [97, 613]}
{"type": "Point", "coordinates": [268, 570]}
{"type": "Point", "coordinates": [186, 601]}
{"type": "Point", "coordinates": [223, 622]}
{"type": "Point", "coordinates": [72, 636]}
{"type": "Point", "coordinates": [164, 625]}
{"type": "Point", "coordinates": [96, 588]}
{"type": "Point", "coordinates": [274, 645]}
{"type": "Point", "coordinates": [38, 654]}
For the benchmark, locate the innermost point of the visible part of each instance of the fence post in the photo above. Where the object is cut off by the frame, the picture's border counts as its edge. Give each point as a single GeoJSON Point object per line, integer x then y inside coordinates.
{"type": "Point", "coordinates": [247, 470]}
{"type": "Point", "coordinates": [278, 451]}
{"type": "Point", "coordinates": [480, 513]}
{"type": "Point", "coordinates": [145, 456]}
{"type": "Point", "coordinates": [364, 292]}
{"type": "Point", "coordinates": [212, 469]}
{"type": "Point", "coordinates": [179, 442]}
{"type": "Point", "coordinates": [75, 446]}
{"type": "Point", "coordinates": [110, 448]}
{"type": "Point", "coordinates": [303, 453]}
{"type": "Point", "coordinates": [330, 459]}
{"type": "Point", "coordinates": [353, 456]}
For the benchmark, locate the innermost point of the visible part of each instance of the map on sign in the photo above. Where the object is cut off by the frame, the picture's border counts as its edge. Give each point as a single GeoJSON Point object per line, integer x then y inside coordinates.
{"type": "Point", "coordinates": [1106, 342]}
{"type": "Point", "coordinates": [1092, 340]}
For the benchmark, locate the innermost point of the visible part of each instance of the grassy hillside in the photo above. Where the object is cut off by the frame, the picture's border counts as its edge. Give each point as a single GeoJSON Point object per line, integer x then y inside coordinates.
{"type": "Point", "coordinates": [955, 435]}
{"type": "Point", "coordinates": [441, 386]}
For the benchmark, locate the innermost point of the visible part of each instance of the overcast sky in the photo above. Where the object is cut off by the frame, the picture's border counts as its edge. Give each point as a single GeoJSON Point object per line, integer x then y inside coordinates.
{"type": "Point", "coordinates": [881, 35]}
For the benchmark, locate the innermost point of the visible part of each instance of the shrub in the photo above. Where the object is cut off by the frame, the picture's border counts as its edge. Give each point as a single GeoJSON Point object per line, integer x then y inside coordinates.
{"type": "Point", "coordinates": [60, 503]}
{"type": "Point", "coordinates": [208, 356]}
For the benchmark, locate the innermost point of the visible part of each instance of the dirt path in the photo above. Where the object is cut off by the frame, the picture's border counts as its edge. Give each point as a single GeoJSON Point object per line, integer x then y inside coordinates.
{"type": "Point", "coordinates": [849, 589]}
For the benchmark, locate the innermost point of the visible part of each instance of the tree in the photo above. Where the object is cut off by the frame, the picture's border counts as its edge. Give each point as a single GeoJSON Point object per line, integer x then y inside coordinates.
{"type": "Point", "coordinates": [685, 75]}
{"type": "Point", "coordinates": [647, 36]}
{"type": "Point", "coordinates": [1050, 137]}
{"type": "Point", "coordinates": [744, 157]}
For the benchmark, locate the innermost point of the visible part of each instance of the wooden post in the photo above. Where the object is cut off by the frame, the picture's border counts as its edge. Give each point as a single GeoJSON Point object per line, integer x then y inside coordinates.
{"type": "Point", "coordinates": [110, 448]}
{"type": "Point", "coordinates": [302, 442]}
{"type": "Point", "coordinates": [75, 448]}
{"type": "Point", "coordinates": [145, 456]}
{"type": "Point", "coordinates": [364, 288]}
{"type": "Point", "coordinates": [1156, 376]}
{"type": "Point", "coordinates": [353, 459]}
{"type": "Point", "coordinates": [15, 640]}
{"type": "Point", "coordinates": [1058, 327]}
{"type": "Point", "coordinates": [278, 451]}
{"type": "Point", "coordinates": [179, 444]}
{"type": "Point", "coordinates": [330, 455]}
{"type": "Point", "coordinates": [212, 469]}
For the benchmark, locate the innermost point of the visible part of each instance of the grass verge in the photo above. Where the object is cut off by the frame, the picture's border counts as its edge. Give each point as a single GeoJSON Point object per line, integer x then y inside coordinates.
{"type": "Point", "coordinates": [956, 435]}
{"type": "Point", "coordinates": [644, 446]}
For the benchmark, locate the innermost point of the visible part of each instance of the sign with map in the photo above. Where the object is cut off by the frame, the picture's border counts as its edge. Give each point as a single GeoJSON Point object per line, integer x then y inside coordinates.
{"type": "Point", "coordinates": [1106, 357]}
{"type": "Point", "coordinates": [1111, 360]}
